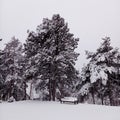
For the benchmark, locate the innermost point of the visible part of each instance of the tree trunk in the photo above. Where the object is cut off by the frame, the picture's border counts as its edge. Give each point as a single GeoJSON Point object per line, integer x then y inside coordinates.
{"type": "Point", "coordinates": [54, 90]}
{"type": "Point", "coordinates": [102, 100]}
{"type": "Point", "coordinates": [53, 81]}
{"type": "Point", "coordinates": [25, 94]}
{"type": "Point", "coordinates": [49, 87]}
{"type": "Point", "coordinates": [110, 99]}
{"type": "Point", "coordinates": [93, 97]}
{"type": "Point", "coordinates": [31, 90]}
{"type": "Point", "coordinates": [109, 88]}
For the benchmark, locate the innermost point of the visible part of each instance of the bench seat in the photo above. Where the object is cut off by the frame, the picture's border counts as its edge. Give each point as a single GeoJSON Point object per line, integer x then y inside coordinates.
{"type": "Point", "coordinates": [69, 100]}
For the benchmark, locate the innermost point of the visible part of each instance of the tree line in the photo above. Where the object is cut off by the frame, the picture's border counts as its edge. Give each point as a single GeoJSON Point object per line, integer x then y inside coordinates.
{"type": "Point", "coordinates": [44, 67]}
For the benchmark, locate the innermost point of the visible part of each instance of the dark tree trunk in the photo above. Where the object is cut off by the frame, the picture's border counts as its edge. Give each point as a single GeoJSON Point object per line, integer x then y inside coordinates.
{"type": "Point", "coordinates": [53, 81]}
{"type": "Point", "coordinates": [49, 87]}
{"type": "Point", "coordinates": [54, 90]}
{"type": "Point", "coordinates": [25, 94]}
{"type": "Point", "coordinates": [109, 88]}
{"type": "Point", "coordinates": [110, 99]}
{"type": "Point", "coordinates": [102, 100]}
{"type": "Point", "coordinates": [31, 90]}
{"type": "Point", "coordinates": [93, 97]}
{"type": "Point", "coordinates": [54, 70]}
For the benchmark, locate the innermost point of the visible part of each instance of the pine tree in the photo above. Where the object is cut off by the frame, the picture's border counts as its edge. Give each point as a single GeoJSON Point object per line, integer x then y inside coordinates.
{"type": "Point", "coordinates": [1, 72]}
{"type": "Point", "coordinates": [84, 84]}
{"type": "Point", "coordinates": [102, 67]}
{"type": "Point", "coordinates": [13, 69]}
{"type": "Point", "coordinates": [50, 51]}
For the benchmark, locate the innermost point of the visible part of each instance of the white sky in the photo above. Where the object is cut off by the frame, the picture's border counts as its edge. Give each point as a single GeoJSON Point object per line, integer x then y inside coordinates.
{"type": "Point", "coordinates": [89, 20]}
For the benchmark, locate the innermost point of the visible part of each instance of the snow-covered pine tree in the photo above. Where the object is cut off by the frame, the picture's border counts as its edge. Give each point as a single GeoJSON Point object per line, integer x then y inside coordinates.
{"type": "Point", "coordinates": [101, 63]}
{"type": "Point", "coordinates": [51, 56]}
{"type": "Point", "coordinates": [13, 69]}
{"type": "Point", "coordinates": [1, 72]}
{"type": "Point", "coordinates": [84, 87]}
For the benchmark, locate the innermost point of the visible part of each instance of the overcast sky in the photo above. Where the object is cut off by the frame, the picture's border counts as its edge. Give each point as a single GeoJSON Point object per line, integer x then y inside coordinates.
{"type": "Point", "coordinates": [89, 20]}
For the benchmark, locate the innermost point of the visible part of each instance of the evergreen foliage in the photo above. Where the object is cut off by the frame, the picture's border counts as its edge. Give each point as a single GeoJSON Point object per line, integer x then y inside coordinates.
{"type": "Point", "coordinates": [51, 56]}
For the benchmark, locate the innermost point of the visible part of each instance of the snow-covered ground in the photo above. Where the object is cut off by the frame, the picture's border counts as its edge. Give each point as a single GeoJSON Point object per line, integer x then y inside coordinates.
{"type": "Point", "coordinates": [36, 110]}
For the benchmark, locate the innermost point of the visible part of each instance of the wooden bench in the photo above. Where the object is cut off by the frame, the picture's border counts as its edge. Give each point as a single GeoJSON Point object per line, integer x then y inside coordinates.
{"type": "Point", "coordinates": [73, 100]}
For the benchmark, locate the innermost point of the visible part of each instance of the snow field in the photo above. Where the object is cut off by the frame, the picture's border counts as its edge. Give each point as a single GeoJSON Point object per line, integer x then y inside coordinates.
{"type": "Point", "coordinates": [36, 110]}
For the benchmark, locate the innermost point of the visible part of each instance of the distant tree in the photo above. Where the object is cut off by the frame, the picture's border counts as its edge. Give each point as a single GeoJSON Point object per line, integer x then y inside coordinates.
{"type": "Point", "coordinates": [12, 68]}
{"type": "Point", "coordinates": [1, 73]}
{"type": "Point", "coordinates": [51, 56]}
{"type": "Point", "coordinates": [102, 63]}
{"type": "Point", "coordinates": [84, 84]}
